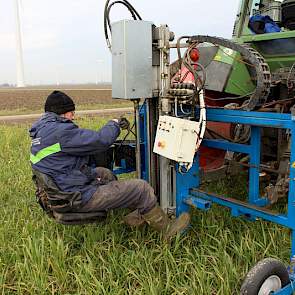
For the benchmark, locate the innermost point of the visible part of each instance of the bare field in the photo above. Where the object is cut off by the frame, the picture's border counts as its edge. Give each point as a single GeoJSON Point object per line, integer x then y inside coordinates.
{"type": "Point", "coordinates": [71, 86]}
{"type": "Point", "coordinates": [31, 100]}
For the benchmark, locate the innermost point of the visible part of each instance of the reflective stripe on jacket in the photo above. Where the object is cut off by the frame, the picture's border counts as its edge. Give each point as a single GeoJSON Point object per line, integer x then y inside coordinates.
{"type": "Point", "coordinates": [60, 149]}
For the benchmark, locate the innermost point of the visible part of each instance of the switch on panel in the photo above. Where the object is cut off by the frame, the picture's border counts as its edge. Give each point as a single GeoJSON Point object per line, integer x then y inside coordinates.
{"type": "Point", "coordinates": [176, 139]}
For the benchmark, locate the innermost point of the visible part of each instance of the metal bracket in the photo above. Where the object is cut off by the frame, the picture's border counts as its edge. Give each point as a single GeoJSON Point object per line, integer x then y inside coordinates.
{"type": "Point", "coordinates": [198, 203]}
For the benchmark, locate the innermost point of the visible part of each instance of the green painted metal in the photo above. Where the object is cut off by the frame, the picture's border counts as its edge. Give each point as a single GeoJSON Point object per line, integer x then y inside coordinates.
{"type": "Point", "coordinates": [225, 55]}
{"type": "Point", "coordinates": [264, 37]}
{"type": "Point", "coordinates": [50, 150]}
{"type": "Point", "coordinates": [276, 62]}
{"type": "Point", "coordinates": [239, 82]}
{"type": "Point", "coordinates": [280, 62]}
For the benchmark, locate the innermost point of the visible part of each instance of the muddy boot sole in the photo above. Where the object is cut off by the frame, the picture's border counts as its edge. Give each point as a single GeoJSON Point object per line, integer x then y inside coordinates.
{"type": "Point", "coordinates": [177, 226]}
{"type": "Point", "coordinates": [134, 219]}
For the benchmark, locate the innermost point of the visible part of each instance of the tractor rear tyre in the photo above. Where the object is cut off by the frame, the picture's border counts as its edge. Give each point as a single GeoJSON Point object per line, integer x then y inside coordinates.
{"type": "Point", "coordinates": [268, 275]}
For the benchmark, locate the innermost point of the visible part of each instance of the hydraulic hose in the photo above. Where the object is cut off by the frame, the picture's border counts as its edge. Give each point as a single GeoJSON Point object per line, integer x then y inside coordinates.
{"type": "Point", "coordinates": [107, 24]}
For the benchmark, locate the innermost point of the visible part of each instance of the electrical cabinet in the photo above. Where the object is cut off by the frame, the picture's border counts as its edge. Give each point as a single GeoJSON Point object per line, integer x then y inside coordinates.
{"type": "Point", "coordinates": [132, 70]}
{"type": "Point", "coordinates": [176, 139]}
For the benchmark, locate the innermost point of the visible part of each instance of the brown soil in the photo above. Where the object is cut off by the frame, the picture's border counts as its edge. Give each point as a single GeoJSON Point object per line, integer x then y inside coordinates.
{"type": "Point", "coordinates": [32, 99]}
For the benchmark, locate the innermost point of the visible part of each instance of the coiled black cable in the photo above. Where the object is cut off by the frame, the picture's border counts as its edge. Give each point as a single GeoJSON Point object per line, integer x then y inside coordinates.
{"type": "Point", "coordinates": [107, 24]}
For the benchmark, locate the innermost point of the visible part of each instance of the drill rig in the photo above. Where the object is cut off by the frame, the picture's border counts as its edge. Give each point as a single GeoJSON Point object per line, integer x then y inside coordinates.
{"type": "Point", "coordinates": [222, 106]}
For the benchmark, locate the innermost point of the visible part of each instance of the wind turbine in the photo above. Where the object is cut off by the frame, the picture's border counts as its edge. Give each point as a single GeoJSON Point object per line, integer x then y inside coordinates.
{"type": "Point", "coordinates": [19, 49]}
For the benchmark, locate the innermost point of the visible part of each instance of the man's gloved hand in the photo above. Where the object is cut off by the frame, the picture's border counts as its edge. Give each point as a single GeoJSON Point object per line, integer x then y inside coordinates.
{"type": "Point", "coordinates": [123, 123]}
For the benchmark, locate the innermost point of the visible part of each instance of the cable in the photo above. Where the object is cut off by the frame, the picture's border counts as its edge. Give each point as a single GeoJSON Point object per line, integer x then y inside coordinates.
{"type": "Point", "coordinates": [178, 49]}
{"type": "Point", "coordinates": [283, 101]}
{"type": "Point", "coordinates": [130, 129]}
{"type": "Point", "coordinates": [202, 119]}
{"type": "Point", "coordinates": [289, 75]}
{"type": "Point", "coordinates": [189, 64]}
{"type": "Point", "coordinates": [216, 135]}
{"type": "Point", "coordinates": [230, 97]}
{"type": "Point", "coordinates": [198, 90]}
{"type": "Point", "coordinates": [183, 111]}
{"type": "Point", "coordinates": [235, 58]}
{"type": "Point", "coordinates": [109, 9]}
{"type": "Point", "coordinates": [107, 24]}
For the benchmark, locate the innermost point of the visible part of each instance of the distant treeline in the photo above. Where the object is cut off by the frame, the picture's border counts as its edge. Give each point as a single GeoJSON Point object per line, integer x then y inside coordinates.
{"type": "Point", "coordinates": [7, 85]}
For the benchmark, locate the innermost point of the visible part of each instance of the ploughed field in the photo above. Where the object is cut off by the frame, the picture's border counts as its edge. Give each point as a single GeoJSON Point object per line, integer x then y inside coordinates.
{"type": "Point", "coordinates": [39, 256]}
{"type": "Point", "coordinates": [32, 99]}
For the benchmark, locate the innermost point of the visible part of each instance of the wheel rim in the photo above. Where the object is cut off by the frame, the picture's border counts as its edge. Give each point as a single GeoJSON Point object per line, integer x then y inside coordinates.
{"type": "Point", "coordinates": [271, 284]}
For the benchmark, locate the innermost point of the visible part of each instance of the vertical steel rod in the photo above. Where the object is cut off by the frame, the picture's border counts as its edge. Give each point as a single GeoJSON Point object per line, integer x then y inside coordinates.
{"type": "Point", "coordinates": [148, 140]}
{"type": "Point", "coordinates": [137, 126]}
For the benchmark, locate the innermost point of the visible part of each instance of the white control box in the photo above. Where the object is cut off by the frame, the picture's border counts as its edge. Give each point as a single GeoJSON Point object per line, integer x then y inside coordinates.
{"type": "Point", "coordinates": [176, 139]}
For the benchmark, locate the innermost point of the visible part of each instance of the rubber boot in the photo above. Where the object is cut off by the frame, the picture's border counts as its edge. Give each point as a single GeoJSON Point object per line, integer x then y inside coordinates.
{"type": "Point", "coordinates": [159, 221]}
{"type": "Point", "coordinates": [134, 219]}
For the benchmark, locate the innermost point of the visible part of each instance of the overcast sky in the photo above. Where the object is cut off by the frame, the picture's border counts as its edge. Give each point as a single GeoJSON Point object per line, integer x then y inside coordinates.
{"type": "Point", "coordinates": [63, 40]}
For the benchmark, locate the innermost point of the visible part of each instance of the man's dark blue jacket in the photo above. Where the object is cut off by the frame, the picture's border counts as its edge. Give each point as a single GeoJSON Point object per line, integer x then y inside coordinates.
{"type": "Point", "coordinates": [60, 149]}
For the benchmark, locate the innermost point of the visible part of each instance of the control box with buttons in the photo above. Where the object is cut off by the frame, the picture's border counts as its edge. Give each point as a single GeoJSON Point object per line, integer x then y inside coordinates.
{"type": "Point", "coordinates": [176, 139]}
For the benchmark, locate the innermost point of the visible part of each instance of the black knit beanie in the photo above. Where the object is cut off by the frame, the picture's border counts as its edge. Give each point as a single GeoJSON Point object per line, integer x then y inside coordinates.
{"type": "Point", "coordinates": [59, 103]}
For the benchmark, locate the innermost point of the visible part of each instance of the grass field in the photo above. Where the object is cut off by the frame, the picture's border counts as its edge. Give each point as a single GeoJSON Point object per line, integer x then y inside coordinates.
{"type": "Point", "coordinates": [38, 256]}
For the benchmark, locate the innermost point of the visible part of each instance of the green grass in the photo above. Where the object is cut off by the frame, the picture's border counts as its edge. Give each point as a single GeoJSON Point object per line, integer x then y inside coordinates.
{"type": "Point", "coordinates": [38, 256]}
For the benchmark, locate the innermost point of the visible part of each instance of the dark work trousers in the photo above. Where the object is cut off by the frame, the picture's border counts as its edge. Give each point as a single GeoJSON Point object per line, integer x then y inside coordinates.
{"type": "Point", "coordinates": [135, 194]}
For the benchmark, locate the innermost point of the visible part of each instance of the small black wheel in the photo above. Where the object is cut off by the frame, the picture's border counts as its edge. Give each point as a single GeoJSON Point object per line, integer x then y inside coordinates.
{"type": "Point", "coordinates": [268, 275]}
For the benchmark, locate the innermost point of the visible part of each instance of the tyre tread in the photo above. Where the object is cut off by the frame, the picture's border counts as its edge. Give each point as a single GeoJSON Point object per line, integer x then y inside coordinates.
{"type": "Point", "coordinates": [260, 272]}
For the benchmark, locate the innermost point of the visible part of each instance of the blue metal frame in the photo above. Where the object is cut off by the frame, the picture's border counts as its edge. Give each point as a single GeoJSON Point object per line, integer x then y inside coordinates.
{"type": "Point", "coordinates": [188, 194]}
{"type": "Point", "coordinates": [122, 169]}
{"type": "Point", "coordinates": [187, 185]}
{"type": "Point", "coordinates": [184, 182]}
